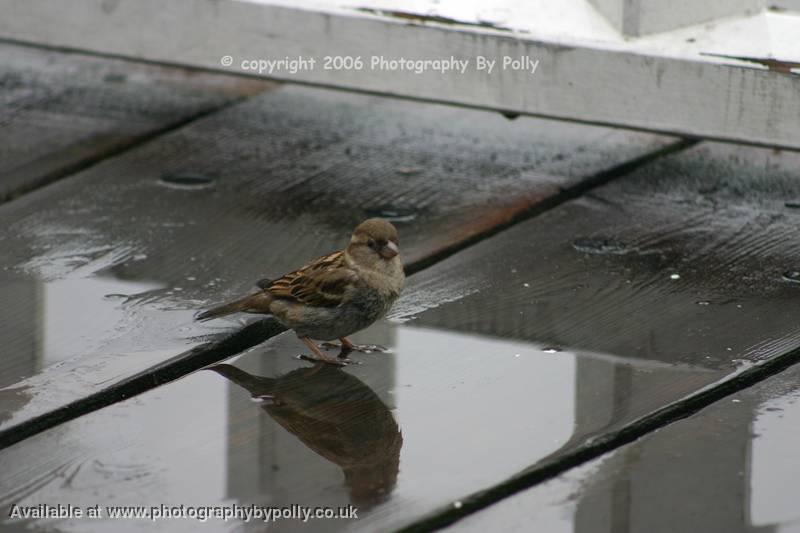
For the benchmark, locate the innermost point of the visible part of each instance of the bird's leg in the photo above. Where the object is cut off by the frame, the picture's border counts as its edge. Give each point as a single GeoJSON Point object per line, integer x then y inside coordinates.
{"type": "Point", "coordinates": [321, 357]}
{"type": "Point", "coordinates": [366, 348]}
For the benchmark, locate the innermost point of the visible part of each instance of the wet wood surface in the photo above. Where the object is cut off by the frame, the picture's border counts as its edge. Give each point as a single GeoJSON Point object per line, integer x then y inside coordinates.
{"type": "Point", "coordinates": [395, 436]}
{"type": "Point", "coordinates": [60, 112]}
{"type": "Point", "coordinates": [689, 261]}
{"type": "Point", "coordinates": [547, 336]}
{"type": "Point", "coordinates": [731, 467]}
{"type": "Point", "coordinates": [141, 241]}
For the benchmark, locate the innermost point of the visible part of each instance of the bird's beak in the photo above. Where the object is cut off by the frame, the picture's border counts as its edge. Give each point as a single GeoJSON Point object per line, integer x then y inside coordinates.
{"type": "Point", "coordinates": [389, 251]}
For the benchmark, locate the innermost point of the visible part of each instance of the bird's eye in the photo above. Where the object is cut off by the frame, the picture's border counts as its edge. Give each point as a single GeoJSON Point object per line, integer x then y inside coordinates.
{"type": "Point", "coordinates": [371, 243]}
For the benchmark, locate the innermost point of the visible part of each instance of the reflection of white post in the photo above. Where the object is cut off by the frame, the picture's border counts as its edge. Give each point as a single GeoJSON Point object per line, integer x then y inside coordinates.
{"type": "Point", "coordinates": [690, 476]}
{"type": "Point", "coordinates": [773, 466]}
{"type": "Point", "coordinates": [20, 329]}
{"type": "Point", "coordinates": [640, 17]}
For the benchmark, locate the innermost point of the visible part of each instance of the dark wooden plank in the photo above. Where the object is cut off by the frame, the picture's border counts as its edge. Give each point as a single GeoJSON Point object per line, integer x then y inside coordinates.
{"type": "Point", "coordinates": [281, 179]}
{"type": "Point", "coordinates": [476, 381]}
{"type": "Point", "coordinates": [688, 261]}
{"type": "Point", "coordinates": [732, 467]}
{"type": "Point", "coordinates": [61, 111]}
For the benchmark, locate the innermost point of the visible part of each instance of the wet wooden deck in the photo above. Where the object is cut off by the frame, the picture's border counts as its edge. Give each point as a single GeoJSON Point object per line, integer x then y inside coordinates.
{"type": "Point", "coordinates": [576, 292]}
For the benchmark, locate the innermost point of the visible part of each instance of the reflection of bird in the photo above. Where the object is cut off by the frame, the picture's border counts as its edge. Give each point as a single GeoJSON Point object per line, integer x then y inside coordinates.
{"type": "Point", "coordinates": [338, 417]}
{"type": "Point", "coordinates": [335, 295]}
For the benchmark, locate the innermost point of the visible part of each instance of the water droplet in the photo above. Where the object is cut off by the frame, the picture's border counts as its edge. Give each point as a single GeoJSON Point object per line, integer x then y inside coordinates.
{"type": "Point", "coordinates": [191, 278]}
{"type": "Point", "coordinates": [674, 276]}
{"type": "Point", "coordinates": [516, 355]}
{"type": "Point", "coordinates": [457, 505]}
{"type": "Point", "coordinates": [187, 180]}
{"type": "Point", "coordinates": [261, 399]}
{"type": "Point", "coordinates": [526, 285]}
{"type": "Point", "coordinates": [600, 246]}
{"type": "Point", "coordinates": [551, 349]}
{"type": "Point", "coordinates": [792, 275]}
{"type": "Point", "coordinates": [703, 302]}
{"type": "Point", "coordinates": [736, 401]}
{"type": "Point", "coordinates": [140, 257]}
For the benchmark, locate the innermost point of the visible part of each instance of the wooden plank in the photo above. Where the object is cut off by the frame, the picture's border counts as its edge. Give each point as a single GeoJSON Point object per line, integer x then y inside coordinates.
{"type": "Point", "coordinates": [547, 337]}
{"type": "Point", "coordinates": [60, 112]}
{"type": "Point", "coordinates": [688, 261]}
{"type": "Point", "coordinates": [731, 467]}
{"type": "Point", "coordinates": [585, 70]}
{"type": "Point", "coordinates": [272, 183]}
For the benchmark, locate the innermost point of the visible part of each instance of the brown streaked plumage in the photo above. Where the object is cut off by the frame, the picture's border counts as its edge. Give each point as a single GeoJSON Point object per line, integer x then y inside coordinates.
{"type": "Point", "coordinates": [334, 295]}
{"type": "Point", "coordinates": [322, 282]}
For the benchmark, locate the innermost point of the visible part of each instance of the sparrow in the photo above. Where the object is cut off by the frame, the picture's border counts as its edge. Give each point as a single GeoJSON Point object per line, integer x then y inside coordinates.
{"type": "Point", "coordinates": [337, 416]}
{"type": "Point", "coordinates": [335, 295]}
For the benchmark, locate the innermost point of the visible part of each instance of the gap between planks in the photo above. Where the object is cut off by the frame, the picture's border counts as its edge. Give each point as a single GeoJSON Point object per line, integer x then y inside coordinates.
{"type": "Point", "coordinates": [258, 332]}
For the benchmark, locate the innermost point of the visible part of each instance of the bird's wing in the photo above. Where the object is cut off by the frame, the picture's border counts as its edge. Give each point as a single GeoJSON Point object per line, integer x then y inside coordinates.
{"type": "Point", "coordinates": [322, 283]}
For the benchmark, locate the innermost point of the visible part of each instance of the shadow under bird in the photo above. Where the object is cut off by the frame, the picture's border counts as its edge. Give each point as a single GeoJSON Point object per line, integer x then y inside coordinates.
{"type": "Point", "coordinates": [337, 416]}
{"type": "Point", "coordinates": [335, 295]}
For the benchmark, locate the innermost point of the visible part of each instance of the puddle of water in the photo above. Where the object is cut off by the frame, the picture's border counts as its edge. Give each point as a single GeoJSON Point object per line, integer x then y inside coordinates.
{"type": "Point", "coordinates": [395, 436]}
{"type": "Point", "coordinates": [730, 467]}
{"type": "Point", "coordinates": [397, 215]}
{"type": "Point", "coordinates": [49, 322]}
{"type": "Point", "coordinates": [187, 180]}
{"type": "Point", "coordinates": [792, 276]}
{"type": "Point", "coordinates": [774, 472]}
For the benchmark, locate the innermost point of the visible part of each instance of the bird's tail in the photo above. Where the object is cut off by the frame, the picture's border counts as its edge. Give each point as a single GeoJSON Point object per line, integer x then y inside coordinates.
{"type": "Point", "coordinates": [255, 303]}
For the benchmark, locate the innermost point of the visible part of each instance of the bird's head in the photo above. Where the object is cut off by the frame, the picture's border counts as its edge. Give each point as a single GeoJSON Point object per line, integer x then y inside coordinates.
{"type": "Point", "coordinates": [374, 242]}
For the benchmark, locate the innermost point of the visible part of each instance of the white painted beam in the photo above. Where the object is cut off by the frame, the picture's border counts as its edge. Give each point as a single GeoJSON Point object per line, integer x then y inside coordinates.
{"type": "Point", "coordinates": [703, 81]}
{"type": "Point", "coordinates": [641, 17]}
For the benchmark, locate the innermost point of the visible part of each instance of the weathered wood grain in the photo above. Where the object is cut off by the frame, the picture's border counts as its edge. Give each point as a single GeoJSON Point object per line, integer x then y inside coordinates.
{"type": "Point", "coordinates": [123, 255]}
{"type": "Point", "coordinates": [514, 353]}
{"type": "Point", "coordinates": [731, 467]}
{"type": "Point", "coordinates": [60, 112]}
{"type": "Point", "coordinates": [682, 262]}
